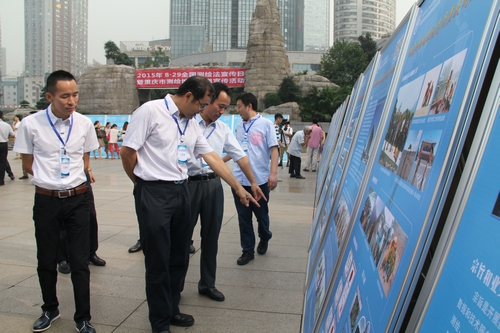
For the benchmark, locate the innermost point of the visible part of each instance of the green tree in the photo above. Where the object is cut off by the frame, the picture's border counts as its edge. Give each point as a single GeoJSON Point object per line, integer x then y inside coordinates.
{"type": "Point", "coordinates": [24, 103]}
{"type": "Point", "coordinates": [111, 51]}
{"type": "Point", "coordinates": [158, 57]}
{"type": "Point", "coordinates": [272, 99]}
{"type": "Point", "coordinates": [42, 103]}
{"type": "Point", "coordinates": [288, 90]}
{"type": "Point", "coordinates": [368, 45]}
{"type": "Point", "coordinates": [343, 63]}
{"type": "Point", "coordinates": [322, 103]}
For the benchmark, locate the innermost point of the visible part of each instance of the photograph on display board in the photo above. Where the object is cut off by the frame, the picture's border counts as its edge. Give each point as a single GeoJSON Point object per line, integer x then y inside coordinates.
{"type": "Point", "coordinates": [426, 153]}
{"type": "Point", "coordinates": [373, 127]}
{"type": "Point", "coordinates": [330, 321]}
{"type": "Point", "coordinates": [341, 218]}
{"type": "Point", "coordinates": [391, 257]}
{"type": "Point", "coordinates": [355, 308]}
{"type": "Point", "coordinates": [447, 83]}
{"type": "Point", "coordinates": [428, 88]}
{"type": "Point", "coordinates": [352, 127]}
{"type": "Point", "coordinates": [320, 284]}
{"type": "Point", "coordinates": [399, 125]}
{"type": "Point", "coordinates": [409, 154]}
{"type": "Point", "coordinates": [496, 208]}
{"type": "Point", "coordinates": [386, 239]}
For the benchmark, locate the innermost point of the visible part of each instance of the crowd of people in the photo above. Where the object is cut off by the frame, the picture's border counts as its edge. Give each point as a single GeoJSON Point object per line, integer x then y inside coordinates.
{"type": "Point", "coordinates": [174, 151]}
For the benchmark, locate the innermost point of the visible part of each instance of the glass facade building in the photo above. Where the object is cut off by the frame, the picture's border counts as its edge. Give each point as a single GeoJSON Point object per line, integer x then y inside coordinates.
{"type": "Point", "coordinates": [226, 24]}
{"type": "Point", "coordinates": [353, 18]}
{"type": "Point", "coordinates": [55, 36]}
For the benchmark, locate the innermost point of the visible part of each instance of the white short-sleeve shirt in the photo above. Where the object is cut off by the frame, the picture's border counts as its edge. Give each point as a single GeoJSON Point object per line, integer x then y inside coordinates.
{"type": "Point", "coordinates": [36, 136]}
{"type": "Point", "coordinates": [153, 132]}
{"type": "Point", "coordinates": [221, 139]}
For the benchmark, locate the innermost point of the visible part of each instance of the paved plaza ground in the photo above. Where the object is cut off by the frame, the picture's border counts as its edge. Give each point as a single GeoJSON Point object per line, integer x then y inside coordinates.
{"type": "Point", "coordinates": [267, 295]}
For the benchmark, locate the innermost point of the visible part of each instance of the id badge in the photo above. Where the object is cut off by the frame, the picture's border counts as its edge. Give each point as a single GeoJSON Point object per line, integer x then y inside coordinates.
{"type": "Point", "coordinates": [182, 154]}
{"type": "Point", "coordinates": [244, 145]}
{"type": "Point", "coordinates": [204, 164]}
{"type": "Point", "coordinates": [65, 166]}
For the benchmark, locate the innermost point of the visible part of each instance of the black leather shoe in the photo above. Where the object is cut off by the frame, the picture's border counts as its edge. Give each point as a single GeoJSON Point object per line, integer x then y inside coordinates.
{"type": "Point", "coordinates": [136, 248]}
{"type": "Point", "coordinates": [292, 175]}
{"type": "Point", "coordinates": [96, 261]}
{"type": "Point", "coordinates": [43, 323]}
{"type": "Point", "coordinates": [300, 177]}
{"type": "Point", "coordinates": [161, 331]}
{"type": "Point", "coordinates": [182, 319]}
{"type": "Point", "coordinates": [63, 267]}
{"type": "Point", "coordinates": [85, 327]}
{"type": "Point", "coordinates": [262, 247]}
{"type": "Point", "coordinates": [192, 249]}
{"type": "Point", "coordinates": [12, 177]}
{"type": "Point", "coordinates": [245, 258]}
{"type": "Point", "coordinates": [213, 293]}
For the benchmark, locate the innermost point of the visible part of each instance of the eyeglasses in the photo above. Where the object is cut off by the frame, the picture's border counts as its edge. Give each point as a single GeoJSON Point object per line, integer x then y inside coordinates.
{"type": "Point", "coordinates": [202, 106]}
{"type": "Point", "coordinates": [222, 107]}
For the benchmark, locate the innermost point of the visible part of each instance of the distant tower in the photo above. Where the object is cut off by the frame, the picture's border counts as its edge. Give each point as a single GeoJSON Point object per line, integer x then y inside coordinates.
{"type": "Point", "coordinates": [55, 36]}
{"type": "Point", "coordinates": [353, 18]}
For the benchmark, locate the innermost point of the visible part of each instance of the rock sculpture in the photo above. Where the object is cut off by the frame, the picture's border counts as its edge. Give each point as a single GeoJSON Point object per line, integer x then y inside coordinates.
{"type": "Point", "coordinates": [266, 61]}
{"type": "Point", "coordinates": [108, 89]}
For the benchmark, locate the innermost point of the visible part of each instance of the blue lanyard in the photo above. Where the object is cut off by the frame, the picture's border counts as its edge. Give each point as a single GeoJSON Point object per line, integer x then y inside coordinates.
{"type": "Point", "coordinates": [177, 122]}
{"type": "Point", "coordinates": [213, 129]}
{"type": "Point", "coordinates": [57, 133]}
{"type": "Point", "coordinates": [245, 129]}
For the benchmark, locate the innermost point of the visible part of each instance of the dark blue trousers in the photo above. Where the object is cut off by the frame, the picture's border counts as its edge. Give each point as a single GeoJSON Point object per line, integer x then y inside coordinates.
{"type": "Point", "coordinates": [247, 235]}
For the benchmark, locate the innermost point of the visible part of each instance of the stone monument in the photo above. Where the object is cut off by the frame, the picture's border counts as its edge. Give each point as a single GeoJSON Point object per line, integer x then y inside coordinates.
{"type": "Point", "coordinates": [267, 61]}
{"type": "Point", "coordinates": [108, 89]}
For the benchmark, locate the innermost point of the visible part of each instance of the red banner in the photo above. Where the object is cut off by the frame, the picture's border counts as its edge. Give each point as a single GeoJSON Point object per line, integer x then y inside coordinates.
{"type": "Point", "coordinates": [161, 78]}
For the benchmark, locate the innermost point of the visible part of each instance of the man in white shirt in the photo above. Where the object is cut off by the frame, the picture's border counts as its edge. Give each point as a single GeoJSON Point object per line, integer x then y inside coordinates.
{"type": "Point", "coordinates": [55, 146]}
{"type": "Point", "coordinates": [205, 188]}
{"type": "Point", "coordinates": [160, 140]}
{"type": "Point", "coordinates": [295, 151]}
{"type": "Point", "coordinates": [6, 132]}
{"type": "Point", "coordinates": [257, 137]}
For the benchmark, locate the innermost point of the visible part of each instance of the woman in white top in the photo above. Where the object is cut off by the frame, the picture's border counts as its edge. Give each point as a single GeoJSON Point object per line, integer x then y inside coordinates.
{"type": "Point", "coordinates": [15, 126]}
{"type": "Point", "coordinates": [113, 141]}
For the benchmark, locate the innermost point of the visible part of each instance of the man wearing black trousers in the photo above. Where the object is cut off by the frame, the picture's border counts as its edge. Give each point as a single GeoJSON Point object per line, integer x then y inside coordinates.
{"type": "Point", "coordinates": [55, 146]}
{"type": "Point", "coordinates": [160, 139]}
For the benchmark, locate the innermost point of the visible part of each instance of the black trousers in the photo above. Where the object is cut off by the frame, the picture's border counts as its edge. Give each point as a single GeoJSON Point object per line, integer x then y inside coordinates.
{"type": "Point", "coordinates": [294, 167]}
{"type": "Point", "coordinates": [50, 214]}
{"type": "Point", "coordinates": [62, 253]}
{"type": "Point", "coordinates": [163, 210]}
{"type": "Point", "coordinates": [207, 201]}
{"type": "Point", "coordinates": [3, 160]}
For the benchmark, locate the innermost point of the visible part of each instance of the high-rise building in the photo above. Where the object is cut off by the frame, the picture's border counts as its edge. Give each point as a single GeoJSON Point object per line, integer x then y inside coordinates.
{"type": "Point", "coordinates": [217, 25]}
{"type": "Point", "coordinates": [353, 18]}
{"type": "Point", "coordinates": [55, 36]}
{"type": "Point", "coordinates": [317, 29]}
{"type": "Point", "coordinates": [2, 66]}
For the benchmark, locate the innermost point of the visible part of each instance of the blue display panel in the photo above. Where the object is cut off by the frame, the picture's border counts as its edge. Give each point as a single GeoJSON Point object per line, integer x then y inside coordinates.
{"type": "Point", "coordinates": [410, 166]}
{"type": "Point", "coordinates": [466, 297]}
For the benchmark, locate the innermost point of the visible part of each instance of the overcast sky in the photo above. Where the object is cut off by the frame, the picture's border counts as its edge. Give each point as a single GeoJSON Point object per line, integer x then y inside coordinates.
{"type": "Point", "coordinates": [116, 20]}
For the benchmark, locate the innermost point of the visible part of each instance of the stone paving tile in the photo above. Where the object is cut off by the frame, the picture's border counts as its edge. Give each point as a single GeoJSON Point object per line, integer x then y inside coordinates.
{"type": "Point", "coordinates": [267, 295]}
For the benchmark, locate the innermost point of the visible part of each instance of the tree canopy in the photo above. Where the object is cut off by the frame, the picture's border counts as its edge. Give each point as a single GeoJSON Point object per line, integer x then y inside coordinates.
{"type": "Point", "coordinates": [111, 51]}
{"type": "Point", "coordinates": [158, 57]}
{"type": "Point", "coordinates": [368, 45]}
{"type": "Point", "coordinates": [343, 63]}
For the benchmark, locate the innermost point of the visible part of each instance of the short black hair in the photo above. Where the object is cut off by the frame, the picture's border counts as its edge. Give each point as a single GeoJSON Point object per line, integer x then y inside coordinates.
{"type": "Point", "coordinates": [197, 85]}
{"type": "Point", "coordinates": [315, 120]}
{"type": "Point", "coordinates": [55, 77]}
{"type": "Point", "coordinates": [1, 114]}
{"type": "Point", "coordinates": [278, 115]}
{"type": "Point", "coordinates": [218, 88]}
{"type": "Point", "coordinates": [19, 116]}
{"type": "Point", "coordinates": [248, 98]}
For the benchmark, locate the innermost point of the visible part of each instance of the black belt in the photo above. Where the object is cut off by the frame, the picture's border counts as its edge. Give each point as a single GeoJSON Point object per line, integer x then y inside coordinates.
{"type": "Point", "coordinates": [203, 177]}
{"type": "Point", "coordinates": [63, 193]}
{"type": "Point", "coordinates": [176, 182]}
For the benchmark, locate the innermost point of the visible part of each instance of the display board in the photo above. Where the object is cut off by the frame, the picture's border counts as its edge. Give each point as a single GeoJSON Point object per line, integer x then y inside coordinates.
{"type": "Point", "coordinates": [328, 146]}
{"type": "Point", "coordinates": [462, 290]}
{"type": "Point", "coordinates": [409, 174]}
